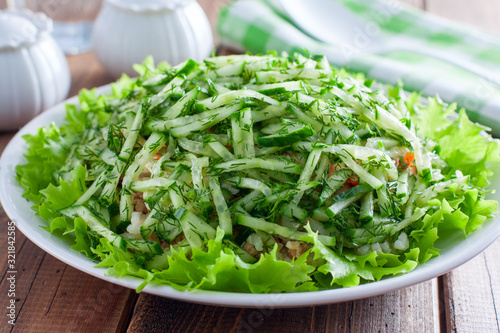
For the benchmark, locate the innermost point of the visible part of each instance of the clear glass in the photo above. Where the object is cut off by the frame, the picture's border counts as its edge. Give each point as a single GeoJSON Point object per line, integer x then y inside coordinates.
{"type": "Point", "coordinates": [73, 21]}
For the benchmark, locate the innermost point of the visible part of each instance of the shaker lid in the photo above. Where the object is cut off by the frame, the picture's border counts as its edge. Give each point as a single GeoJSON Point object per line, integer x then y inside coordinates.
{"type": "Point", "coordinates": [149, 5]}
{"type": "Point", "coordinates": [19, 28]}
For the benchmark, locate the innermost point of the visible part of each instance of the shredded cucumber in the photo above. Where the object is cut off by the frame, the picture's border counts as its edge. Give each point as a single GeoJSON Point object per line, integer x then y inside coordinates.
{"type": "Point", "coordinates": [242, 161]}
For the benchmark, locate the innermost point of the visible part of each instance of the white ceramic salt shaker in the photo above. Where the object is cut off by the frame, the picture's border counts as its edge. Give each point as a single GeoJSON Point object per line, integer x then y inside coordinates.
{"type": "Point", "coordinates": [34, 73]}
{"type": "Point", "coordinates": [127, 31]}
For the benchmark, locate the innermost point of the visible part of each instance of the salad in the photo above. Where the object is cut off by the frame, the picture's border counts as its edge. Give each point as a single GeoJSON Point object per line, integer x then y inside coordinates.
{"type": "Point", "coordinates": [258, 174]}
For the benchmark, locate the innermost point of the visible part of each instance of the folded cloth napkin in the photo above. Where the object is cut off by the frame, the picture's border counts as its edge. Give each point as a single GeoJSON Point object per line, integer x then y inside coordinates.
{"type": "Point", "coordinates": [258, 26]}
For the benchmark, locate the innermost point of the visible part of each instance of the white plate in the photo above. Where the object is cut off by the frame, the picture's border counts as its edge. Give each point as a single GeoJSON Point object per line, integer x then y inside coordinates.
{"type": "Point", "coordinates": [455, 251]}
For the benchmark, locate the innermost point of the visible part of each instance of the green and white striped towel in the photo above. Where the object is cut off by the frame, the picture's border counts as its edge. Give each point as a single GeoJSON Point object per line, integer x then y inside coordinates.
{"type": "Point", "coordinates": [255, 25]}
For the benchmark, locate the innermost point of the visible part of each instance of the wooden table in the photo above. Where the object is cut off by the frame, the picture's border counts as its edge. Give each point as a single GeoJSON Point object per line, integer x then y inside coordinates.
{"type": "Point", "coordinates": [54, 297]}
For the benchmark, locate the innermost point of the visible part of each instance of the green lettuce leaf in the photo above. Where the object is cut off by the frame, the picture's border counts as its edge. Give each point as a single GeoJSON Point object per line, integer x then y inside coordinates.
{"type": "Point", "coordinates": [64, 194]}
{"type": "Point", "coordinates": [460, 141]}
{"type": "Point", "coordinates": [219, 268]}
{"type": "Point", "coordinates": [45, 155]}
{"type": "Point", "coordinates": [350, 270]}
{"type": "Point", "coordinates": [120, 263]}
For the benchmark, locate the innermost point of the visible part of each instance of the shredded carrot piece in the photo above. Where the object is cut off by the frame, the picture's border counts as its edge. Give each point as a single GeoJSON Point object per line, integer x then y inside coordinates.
{"type": "Point", "coordinates": [408, 159]}
{"type": "Point", "coordinates": [160, 153]}
{"type": "Point", "coordinates": [332, 170]}
{"type": "Point", "coordinates": [352, 181]}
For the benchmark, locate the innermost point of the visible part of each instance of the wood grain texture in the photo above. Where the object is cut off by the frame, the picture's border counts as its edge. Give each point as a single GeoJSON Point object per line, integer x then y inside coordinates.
{"type": "Point", "coordinates": [472, 294]}
{"type": "Point", "coordinates": [53, 297]}
{"type": "Point", "coordinates": [394, 312]}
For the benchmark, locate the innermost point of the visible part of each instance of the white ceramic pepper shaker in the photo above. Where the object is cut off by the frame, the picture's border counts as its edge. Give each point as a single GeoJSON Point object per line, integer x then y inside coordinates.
{"type": "Point", "coordinates": [34, 73]}
{"type": "Point", "coordinates": [127, 31]}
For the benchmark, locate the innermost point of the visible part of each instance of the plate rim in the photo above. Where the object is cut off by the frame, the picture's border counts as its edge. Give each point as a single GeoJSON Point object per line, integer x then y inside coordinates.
{"type": "Point", "coordinates": [476, 242]}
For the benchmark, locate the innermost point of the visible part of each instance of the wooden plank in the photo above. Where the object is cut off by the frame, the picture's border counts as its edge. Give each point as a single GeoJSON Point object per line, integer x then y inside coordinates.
{"type": "Point", "coordinates": [45, 288]}
{"type": "Point", "coordinates": [472, 294]}
{"type": "Point", "coordinates": [480, 13]}
{"type": "Point", "coordinates": [409, 310]}
{"type": "Point", "coordinates": [412, 309]}
{"type": "Point", "coordinates": [86, 302]}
